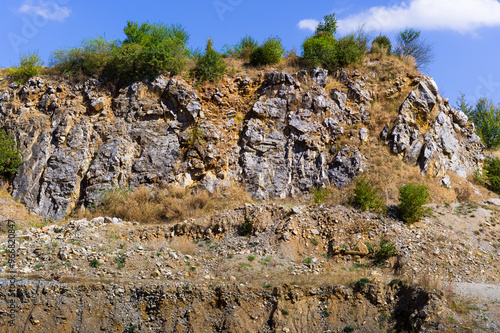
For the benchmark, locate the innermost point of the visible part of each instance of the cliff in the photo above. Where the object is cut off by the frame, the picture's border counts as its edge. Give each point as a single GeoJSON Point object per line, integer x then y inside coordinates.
{"type": "Point", "coordinates": [277, 134]}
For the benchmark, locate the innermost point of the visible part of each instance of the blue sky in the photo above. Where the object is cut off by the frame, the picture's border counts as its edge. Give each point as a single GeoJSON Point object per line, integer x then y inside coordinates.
{"type": "Point", "coordinates": [465, 33]}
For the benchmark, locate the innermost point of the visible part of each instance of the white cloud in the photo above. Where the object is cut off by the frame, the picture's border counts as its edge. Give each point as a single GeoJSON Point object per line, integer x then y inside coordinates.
{"type": "Point", "coordinates": [49, 10]}
{"type": "Point", "coordinates": [308, 24]}
{"type": "Point", "coordinates": [464, 16]}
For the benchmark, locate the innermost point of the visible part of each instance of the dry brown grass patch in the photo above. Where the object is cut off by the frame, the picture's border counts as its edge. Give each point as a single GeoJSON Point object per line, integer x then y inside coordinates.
{"type": "Point", "coordinates": [171, 205]}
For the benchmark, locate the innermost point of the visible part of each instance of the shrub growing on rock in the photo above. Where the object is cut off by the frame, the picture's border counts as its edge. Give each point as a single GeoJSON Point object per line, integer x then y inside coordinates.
{"type": "Point", "coordinates": [412, 198]}
{"type": "Point", "coordinates": [366, 197]}
{"type": "Point", "coordinates": [90, 58]}
{"type": "Point", "coordinates": [210, 67]}
{"type": "Point", "coordinates": [320, 50]}
{"type": "Point", "coordinates": [10, 157]}
{"type": "Point", "coordinates": [30, 65]}
{"type": "Point", "coordinates": [268, 53]}
{"type": "Point", "coordinates": [149, 50]}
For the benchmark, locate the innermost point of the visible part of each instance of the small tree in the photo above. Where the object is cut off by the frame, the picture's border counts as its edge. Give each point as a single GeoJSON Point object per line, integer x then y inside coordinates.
{"type": "Point", "coordinates": [486, 118]}
{"type": "Point", "coordinates": [211, 66]}
{"type": "Point", "coordinates": [329, 25]}
{"type": "Point", "coordinates": [30, 65]}
{"type": "Point", "coordinates": [409, 43]}
{"type": "Point", "coordinates": [412, 198]}
{"type": "Point", "coordinates": [492, 174]}
{"type": "Point", "coordinates": [10, 157]}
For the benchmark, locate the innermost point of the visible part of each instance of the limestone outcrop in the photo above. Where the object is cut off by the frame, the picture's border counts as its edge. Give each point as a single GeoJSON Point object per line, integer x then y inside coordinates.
{"type": "Point", "coordinates": [278, 135]}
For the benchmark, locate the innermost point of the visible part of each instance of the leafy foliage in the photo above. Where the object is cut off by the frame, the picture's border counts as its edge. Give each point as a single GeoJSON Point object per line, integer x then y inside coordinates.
{"type": "Point", "coordinates": [320, 50]}
{"type": "Point", "coordinates": [10, 157]}
{"type": "Point", "coordinates": [492, 175]}
{"type": "Point", "coordinates": [385, 250]}
{"type": "Point", "coordinates": [211, 66]}
{"type": "Point", "coordinates": [90, 58]}
{"type": "Point", "coordinates": [412, 198]}
{"type": "Point", "coordinates": [149, 50]}
{"type": "Point", "coordinates": [270, 52]}
{"type": "Point", "coordinates": [382, 42]}
{"type": "Point", "coordinates": [323, 49]}
{"type": "Point", "coordinates": [243, 49]}
{"type": "Point", "coordinates": [320, 194]}
{"type": "Point", "coordinates": [329, 25]}
{"type": "Point", "coordinates": [486, 118]}
{"type": "Point", "coordinates": [366, 197]}
{"type": "Point", "coordinates": [30, 65]}
{"type": "Point", "coordinates": [409, 43]}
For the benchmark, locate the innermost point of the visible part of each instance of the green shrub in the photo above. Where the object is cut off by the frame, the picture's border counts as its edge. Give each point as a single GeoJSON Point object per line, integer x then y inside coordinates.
{"type": "Point", "coordinates": [210, 67]}
{"type": "Point", "coordinates": [90, 58]}
{"type": "Point", "coordinates": [381, 43]}
{"type": "Point", "coordinates": [149, 50]}
{"type": "Point", "coordinates": [492, 174]}
{"type": "Point", "coordinates": [30, 65]}
{"type": "Point", "coordinates": [349, 50]}
{"type": "Point", "coordinates": [385, 250]}
{"type": "Point", "coordinates": [243, 49]}
{"type": "Point", "coordinates": [320, 50]}
{"type": "Point", "coordinates": [320, 194]}
{"type": "Point", "coordinates": [95, 263]}
{"type": "Point", "coordinates": [412, 198]}
{"type": "Point", "coordinates": [366, 197]}
{"type": "Point", "coordinates": [10, 157]}
{"type": "Point", "coordinates": [268, 53]}
{"type": "Point", "coordinates": [486, 118]}
{"type": "Point", "coordinates": [362, 282]}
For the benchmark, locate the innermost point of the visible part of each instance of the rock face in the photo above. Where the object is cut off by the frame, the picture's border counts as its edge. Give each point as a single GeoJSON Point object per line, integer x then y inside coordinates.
{"type": "Point", "coordinates": [277, 135]}
{"type": "Point", "coordinates": [431, 134]}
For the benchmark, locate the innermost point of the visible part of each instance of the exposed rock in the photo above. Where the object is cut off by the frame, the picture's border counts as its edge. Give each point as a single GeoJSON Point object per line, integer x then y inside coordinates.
{"type": "Point", "coordinates": [319, 76]}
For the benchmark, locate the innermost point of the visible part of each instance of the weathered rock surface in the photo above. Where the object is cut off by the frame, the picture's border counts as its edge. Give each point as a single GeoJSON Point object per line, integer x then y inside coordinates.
{"type": "Point", "coordinates": [272, 134]}
{"type": "Point", "coordinates": [430, 133]}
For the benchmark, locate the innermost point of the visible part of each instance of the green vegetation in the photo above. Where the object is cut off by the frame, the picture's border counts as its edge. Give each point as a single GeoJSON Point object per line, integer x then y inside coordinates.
{"type": "Point", "coordinates": [211, 66]}
{"type": "Point", "coordinates": [381, 43]}
{"type": "Point", "coordinates": [30, 65]}
{"type": "Point", "coordinates": [409, 43]}
{"type": "Point", "coordinates": [320, 194]}
{"type": "Point", "coordinates": [95, 263]}
{"type": "Point", "coordinates": [412, 198]}
{"type": "Point", "coordinates": [90, 58]}
{"type": "Point", "coordinates": [243, 49]}
{"type": "Point", "coordinates": [486, 118]}
{"type": "Point", "coordinates": [492, 173]}
{"type": "Point", "coordinates": [147, 51]}
{"type": "Point", "coordinates": [10, 157]}
{"type": "Point", "coordinates": [270, 52]}
{"type": "Point", "coordinates": [385, 250]}
{"type": "Point", "coordinates": [251, 258]}
{"type": "Point", "coordinates": [323, 49]}
{"type": "Point", "coordinates": [366, 197]}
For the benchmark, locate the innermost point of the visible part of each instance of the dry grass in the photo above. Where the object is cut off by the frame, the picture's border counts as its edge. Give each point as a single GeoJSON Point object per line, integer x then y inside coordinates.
{"type": "Point", "coordinates": [174, 204]}
{"type": "Point", "coordinates": [183, 244]}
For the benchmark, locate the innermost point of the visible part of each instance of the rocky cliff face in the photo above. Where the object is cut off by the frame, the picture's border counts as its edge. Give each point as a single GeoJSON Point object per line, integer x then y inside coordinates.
{"type": "Point", "coordinates": [279, 135]}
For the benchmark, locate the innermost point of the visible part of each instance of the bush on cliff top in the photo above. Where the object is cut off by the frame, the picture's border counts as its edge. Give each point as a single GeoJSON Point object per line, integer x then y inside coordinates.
{"type": "Point", "coordinates": [210, 67]}
{"type": "Point", "coordinates": [30, 65]}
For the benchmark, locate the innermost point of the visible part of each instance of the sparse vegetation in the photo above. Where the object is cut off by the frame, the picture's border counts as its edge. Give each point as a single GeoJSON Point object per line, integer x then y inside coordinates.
{"type": "Point", "coordinates": [409, 43]}
{"type": "Point", "coordinates": [95, 263]}
{"type": "Point", "coordinates": [320, 194]}
{"type": "Point", "coordinates": [412, 198]}
{"type": "Point", "coordinates": [385, 250]}
{"type": "Point", "coordinates": [243, 49]}
{"type": "Point", "coordinates": [381, 44]}
{"type": "Point", "coordinates": [30, 65]}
